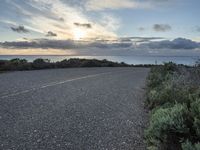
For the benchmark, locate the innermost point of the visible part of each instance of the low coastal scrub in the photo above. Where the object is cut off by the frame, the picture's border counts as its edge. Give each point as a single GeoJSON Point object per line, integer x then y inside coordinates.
{"type": "Point", "coordinates": [23, 64]}
{"type": "Point", "coordinates": [173, 97]}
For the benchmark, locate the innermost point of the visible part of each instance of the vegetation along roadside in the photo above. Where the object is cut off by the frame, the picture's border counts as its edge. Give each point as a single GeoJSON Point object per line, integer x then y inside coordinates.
{"type": "Point", "coordinates": [173, 97]}
{"type": "Point", "coordinates": [22, 64]}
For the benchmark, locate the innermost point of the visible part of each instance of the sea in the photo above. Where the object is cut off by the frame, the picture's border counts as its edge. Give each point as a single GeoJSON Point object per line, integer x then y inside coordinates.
{"type": "Point", "coordinates": [186, 60]}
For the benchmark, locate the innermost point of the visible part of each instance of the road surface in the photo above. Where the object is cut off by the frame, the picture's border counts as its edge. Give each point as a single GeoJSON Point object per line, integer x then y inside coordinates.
{"type": "Point", "coordinates": [73, 109]}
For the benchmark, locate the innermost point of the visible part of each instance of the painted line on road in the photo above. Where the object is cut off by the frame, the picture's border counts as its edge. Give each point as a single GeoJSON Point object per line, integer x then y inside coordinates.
{"type": "Point", "coordinates": [53, 84]}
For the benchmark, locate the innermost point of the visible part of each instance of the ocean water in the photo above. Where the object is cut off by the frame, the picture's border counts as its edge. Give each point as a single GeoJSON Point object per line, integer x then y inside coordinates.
{"type": "Point", "coordinates": [187, 60]}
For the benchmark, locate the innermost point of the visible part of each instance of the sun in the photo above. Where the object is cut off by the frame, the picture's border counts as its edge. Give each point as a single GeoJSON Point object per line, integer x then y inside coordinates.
{"type": "Point", "coordinates": [79, 34]}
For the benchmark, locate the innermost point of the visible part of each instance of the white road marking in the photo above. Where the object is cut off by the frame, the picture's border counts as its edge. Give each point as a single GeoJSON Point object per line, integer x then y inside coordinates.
{"type": "Point", "coordinates": [52, 84]}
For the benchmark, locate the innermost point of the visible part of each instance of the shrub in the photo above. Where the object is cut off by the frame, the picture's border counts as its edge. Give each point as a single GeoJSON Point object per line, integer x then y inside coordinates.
{"type": "Point", "coordinates": [154, 79]}
{"type": "Point", "coordinates": [195, 112]}
{"type": "Point", "coordinates": [89, 63]}
{"type": "Point", "coordinates": [189, 146]}
{"type": "Point", "coordinates": [167, 125]}
{"type": "Point", "coordinates": [158, 75]}
{"type": "Point", "coordinates": [175, 104]}
{"type": "Point", "coordinates": [42, 64]}
{"type": "Point", "coordinates": [15, 64]}
{"type": "Point", "coordinates": [167, 93]}
{"type": "Point", "coordinates": [169, 67]}
{"type": "Point", "coordinates": [22, 64]}
{"type": "Point", "coordinates": [197, 64]}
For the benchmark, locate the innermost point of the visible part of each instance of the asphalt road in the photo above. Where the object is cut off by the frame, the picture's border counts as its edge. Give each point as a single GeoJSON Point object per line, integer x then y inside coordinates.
{"type": "Point", "coordinates": [73, 109]}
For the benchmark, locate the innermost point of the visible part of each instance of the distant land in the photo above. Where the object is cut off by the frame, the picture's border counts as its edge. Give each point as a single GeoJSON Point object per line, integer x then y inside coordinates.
{"type": "Point", "coordinates": [135, 60]}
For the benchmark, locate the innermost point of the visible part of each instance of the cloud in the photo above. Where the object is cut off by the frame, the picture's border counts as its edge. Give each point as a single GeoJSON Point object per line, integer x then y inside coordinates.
{"type": "Point", "coordinates": [64, 44]}
{"type": "Point", "coordinates": [110, 22]}
{"type": "Point", "coordinates": [66, 47]}
{"type": "Point", "coordinates": [37, 51]}
{"type": "Point", "coordinates": [141, 28]}
{"type": "Point", "coordinates": [59, 16]}
{"type": "Point", "coordinates": [12, 23]}
{"type": "Point", "coordinates": [20, 29]}
{"type": "Point", "coordinates": [114, 45]}
{"type": "Point", "coordinates": [50, 33]}
{"type": "Point", "coordinates": [96, 5]}
{"type": "Point", "coordinates": [121, 46]}
{"type": "Point", "coordinates": [100, 5]}
{"type": "Point", "coordinates": [179, 43]}
{"type": "Point", "coordinates": [198, 28]}
{"type": "Point", "coordinates": [120, 43]}
{"type": "Point", "coordinates": [85, 25]}
{"type": "Point", "coordinates": [62, 19]}
{"type": "Point", "coordinates": [139, 40]}
{"type": "Point", "coordinates": [161, 27]}
{"type": "Point", "coordinates": [39, 43]}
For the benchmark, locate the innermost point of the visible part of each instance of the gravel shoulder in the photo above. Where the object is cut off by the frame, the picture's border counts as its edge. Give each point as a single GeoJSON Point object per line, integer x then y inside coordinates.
{"type": "Point", "coordinates": [81, 108]}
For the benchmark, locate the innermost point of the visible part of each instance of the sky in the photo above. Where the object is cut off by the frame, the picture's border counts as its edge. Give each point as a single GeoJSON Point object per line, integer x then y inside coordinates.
{"type": "Point", "coordinates": [100, 27]}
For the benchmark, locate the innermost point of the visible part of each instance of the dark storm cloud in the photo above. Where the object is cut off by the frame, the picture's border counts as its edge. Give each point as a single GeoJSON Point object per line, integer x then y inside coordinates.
{"type": "Point", "coordinates": [50, 33]}
{"type": "Point", "coordinates": [161, 27]}
{"type": "Point", "coordinates": [20, 29]}
{"type": "Point", "coordinates": [85, 25]}
{"type": "Point", "coordinates": [179, 43]}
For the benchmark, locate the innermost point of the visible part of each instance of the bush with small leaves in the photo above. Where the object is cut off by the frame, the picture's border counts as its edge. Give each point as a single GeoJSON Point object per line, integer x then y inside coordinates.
{"type": "Point", "coordinates": [15, 64]}
{"type": "Point", "coordinates": [189, 146]}
{"type": "Point", "coordinates": [195, 113]}
{"type": "Point", "coordinates": [167, 125]}
{"type": "Point", "coordinates": [42, 64]}
{"type": "Point", "coordinates": [167, 93]}
{"type": "Point", "coordinates": [155, 78]}
{"type": "Point", "coordinates": [169, 67]}
{"type": "Point", "coordinates": [175, 109]}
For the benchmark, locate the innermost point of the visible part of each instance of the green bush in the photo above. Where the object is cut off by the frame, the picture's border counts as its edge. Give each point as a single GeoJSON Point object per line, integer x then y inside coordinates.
{"type": "Point", "coordinates": [189, 146]}
{"type": "Point", "coordinates": [154, 79]}
{"type": "Point", "coordinates": [167, 125]}
{"type": "Point", "coordinates": [160, 74]}
{"type": "Point", "coordinates": [169, 67]}
{"type": "Point", "coordinates": [195, 112]}
{"type": "Point", "coordinates": [167, 93]}
{"type": "Point", "coordinates": [14, 64]}
{"type": "Point", "coordinates": [42, 64]}
{"type": "Point", "coordinates": [22, 64]}
{"type": "Point", "coordinates": [175, 109]}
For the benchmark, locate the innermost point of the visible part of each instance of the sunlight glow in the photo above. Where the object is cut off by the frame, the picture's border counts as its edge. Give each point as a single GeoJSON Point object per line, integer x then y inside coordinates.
{"type": "Point", "coordinates": [37, 51]}
{"type": "Point", "coordinates": [79, 34]}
